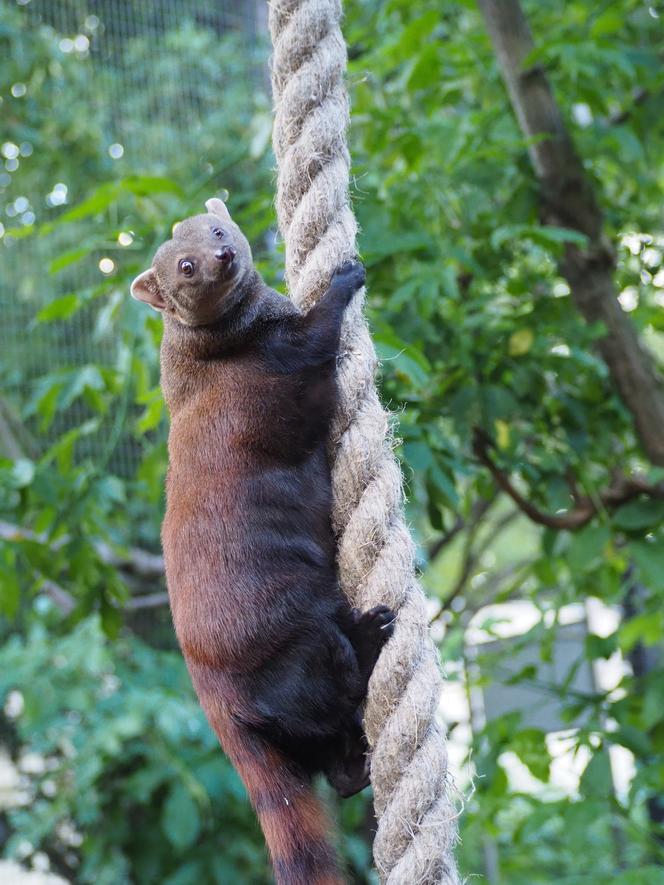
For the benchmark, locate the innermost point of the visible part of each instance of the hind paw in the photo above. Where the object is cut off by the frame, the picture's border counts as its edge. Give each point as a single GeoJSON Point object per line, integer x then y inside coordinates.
{"type": "Point", "coordinates": [379, 621]}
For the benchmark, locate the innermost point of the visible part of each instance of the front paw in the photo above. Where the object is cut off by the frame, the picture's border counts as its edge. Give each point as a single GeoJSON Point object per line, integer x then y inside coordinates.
{"type": "Point", "coordinates": [348, 278]}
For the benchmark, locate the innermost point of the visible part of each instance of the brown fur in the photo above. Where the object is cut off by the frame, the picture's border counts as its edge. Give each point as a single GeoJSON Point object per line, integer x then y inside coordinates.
{"type": "Point", "coordinates": [279, 661]}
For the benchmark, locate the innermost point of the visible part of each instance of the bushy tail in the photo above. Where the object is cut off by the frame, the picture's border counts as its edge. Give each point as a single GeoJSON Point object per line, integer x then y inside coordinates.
{"type": "Point", "coordinates": [294, 823]}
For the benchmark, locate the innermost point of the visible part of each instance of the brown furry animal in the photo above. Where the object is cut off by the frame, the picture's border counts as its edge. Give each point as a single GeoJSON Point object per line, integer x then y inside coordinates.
{"type": "Point", "coordinates": [278, 659]}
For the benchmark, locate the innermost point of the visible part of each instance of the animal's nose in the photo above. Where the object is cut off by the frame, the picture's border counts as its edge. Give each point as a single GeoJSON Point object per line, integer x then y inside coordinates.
{"type": "Point", "coordinates": [225, 255]}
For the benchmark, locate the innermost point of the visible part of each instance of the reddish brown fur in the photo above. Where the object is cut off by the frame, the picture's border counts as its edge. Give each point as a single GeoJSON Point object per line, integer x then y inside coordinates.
{"type": "Point", "coordinates": [294, 823]}
{"type": "Point", "coordinates": [279, 661]}
{"type": "Point", "coordinates": [205, 489]}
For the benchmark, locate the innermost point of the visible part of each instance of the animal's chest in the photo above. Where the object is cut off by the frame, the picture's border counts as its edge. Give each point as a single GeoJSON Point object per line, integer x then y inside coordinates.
{"type": "Point", "coordinates": [248, 507]}
{"type": "Point", "coordinates": [246, 410]}
{"type": "Point", "coordinates": [236, 404]}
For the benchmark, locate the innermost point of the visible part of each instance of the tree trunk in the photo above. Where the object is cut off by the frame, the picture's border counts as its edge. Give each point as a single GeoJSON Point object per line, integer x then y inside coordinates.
{"type": "Point", "coordinates": [567, 200]}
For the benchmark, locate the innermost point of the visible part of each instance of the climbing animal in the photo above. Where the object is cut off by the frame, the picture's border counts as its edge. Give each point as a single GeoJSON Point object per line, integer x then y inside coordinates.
{"type": "Point", "coordinates": [279, 660]}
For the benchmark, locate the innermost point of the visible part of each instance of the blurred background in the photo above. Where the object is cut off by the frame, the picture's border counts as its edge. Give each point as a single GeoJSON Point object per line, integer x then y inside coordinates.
{"type": "Point", "coordinates": [539, 549]}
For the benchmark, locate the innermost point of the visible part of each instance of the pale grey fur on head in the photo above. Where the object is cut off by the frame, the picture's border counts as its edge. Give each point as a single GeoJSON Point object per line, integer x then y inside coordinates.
{"type": "Point", "coordinates": [210, 291]}
{"type": "Point", "coordinates": [414, 844]}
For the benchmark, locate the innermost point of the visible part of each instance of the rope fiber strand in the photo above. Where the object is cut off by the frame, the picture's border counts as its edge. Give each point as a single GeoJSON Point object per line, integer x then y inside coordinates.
{"type": "Point", "coordinates": [416, 815]}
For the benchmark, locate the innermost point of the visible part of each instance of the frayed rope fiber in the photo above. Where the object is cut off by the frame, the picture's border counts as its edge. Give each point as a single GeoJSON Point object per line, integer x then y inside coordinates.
{"type": "Point", "coordinates": [417, 830]}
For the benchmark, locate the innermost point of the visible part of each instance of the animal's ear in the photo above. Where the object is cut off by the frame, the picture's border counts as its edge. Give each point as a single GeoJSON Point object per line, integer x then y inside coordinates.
{"type": "Point", "coordinates": [146, 288]}
{"type": "Point", "coordinates": [217, 207]}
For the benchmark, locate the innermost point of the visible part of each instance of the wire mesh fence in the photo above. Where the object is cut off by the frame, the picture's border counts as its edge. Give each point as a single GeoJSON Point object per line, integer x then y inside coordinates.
{"type": "Point", "coordinates": [121, 87]}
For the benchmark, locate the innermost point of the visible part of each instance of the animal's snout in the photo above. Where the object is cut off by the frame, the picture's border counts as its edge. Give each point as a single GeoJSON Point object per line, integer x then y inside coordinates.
{"type": "Point", "coordinates": [226, 254]}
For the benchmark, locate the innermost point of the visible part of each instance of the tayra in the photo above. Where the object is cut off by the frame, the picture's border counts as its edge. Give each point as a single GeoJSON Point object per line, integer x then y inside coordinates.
{"type": "Point", "coordinates": [279, 660]}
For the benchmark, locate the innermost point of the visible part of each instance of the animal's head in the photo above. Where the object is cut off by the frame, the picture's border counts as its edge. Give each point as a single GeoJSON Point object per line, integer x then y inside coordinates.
{"type": "Point", "coordinates": [195, 276]}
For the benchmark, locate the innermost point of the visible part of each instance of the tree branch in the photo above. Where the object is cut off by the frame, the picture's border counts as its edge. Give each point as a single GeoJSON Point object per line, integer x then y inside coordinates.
{"type": "Point", "coordinates": [67, 603]}
{"type": "Point", "coordinates": [478, 511]}
{"type": "Point", "coordinates": [471, 556]}
{"type": "Point", "coordinates": [567, 200]}
{"type": "Point", "coordinates": [138, 562]}
{"type": "Point", "coordinates": [437, 546]}
{"type": "Point", "coordinates": [15, 441]}
{"type": "Point", "coordinates": [619, 117]}
{"type": "Point", "coordinates": [621, 490]}
{"type": "Point", "coordinates": [135, 562]}
{"type": "Point", "coordinates": [57, 594]}
{"type": "Point", "coordinates": [147, 600]}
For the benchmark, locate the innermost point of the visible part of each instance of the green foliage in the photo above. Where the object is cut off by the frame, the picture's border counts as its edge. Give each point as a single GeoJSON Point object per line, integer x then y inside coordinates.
{"type": "Point", "coordinates": [132, 771]}
{"type": "Point", "coordinates": [474, 327]}
{"type": "Point", "coordinates": [136, 787]}
{"type": "Point", "coordinates": [131, 784]}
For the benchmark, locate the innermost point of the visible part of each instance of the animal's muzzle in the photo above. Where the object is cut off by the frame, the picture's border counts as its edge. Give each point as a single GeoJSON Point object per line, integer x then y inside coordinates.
{"type": "Point", "coordinates": [225, 255]}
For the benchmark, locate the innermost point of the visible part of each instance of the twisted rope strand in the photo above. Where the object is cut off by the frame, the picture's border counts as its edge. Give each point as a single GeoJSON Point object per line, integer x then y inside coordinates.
{"type": "Point", "coordinates": [417, 819]}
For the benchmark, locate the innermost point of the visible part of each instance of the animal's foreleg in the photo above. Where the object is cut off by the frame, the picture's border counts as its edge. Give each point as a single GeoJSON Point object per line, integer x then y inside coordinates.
{"type": "Point", "coordinates": [321, 326]}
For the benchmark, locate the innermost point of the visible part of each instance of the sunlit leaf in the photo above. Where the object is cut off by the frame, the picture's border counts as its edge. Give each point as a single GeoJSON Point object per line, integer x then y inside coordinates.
{"type": "Point", "coordinates": [59, 309]}
{"type": "Point", "coordinates": [520, 342]}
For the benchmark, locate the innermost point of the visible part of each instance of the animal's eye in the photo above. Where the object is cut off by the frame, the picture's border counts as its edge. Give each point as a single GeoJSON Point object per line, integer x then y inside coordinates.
{"type": "Point", "coordinates": [186, 267]}
{"type": "Point", "coordinates": [218, 232]}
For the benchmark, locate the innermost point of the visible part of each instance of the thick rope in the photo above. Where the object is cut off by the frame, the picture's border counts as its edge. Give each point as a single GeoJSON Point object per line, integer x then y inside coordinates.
{"type": "Point", "coordinates": [416, 816]}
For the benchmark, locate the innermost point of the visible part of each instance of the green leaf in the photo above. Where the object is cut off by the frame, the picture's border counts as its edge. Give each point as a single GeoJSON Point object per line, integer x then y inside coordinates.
{"type": "Point", "coordinates": [638, 515]}
{"type": "Point", "coordinates": [444, 482]}
{"type": "Point", "coordinates": [59, 309]}
{"type": "Point", "coordinates": [647, 628]}
{"type": "Point", "coordinates": [112, 489]}
{"type": "Point", "coordinates": [648, 557]}
{"type": "Point", "coordinates": [610, 22]}
{"type": "Point", "coordinates": [546, 236]}
{"type": "Point", "coordinates": [146, 185]}
{"type": "Point", "coordinates": [530, 746]}
{"type": "Point", "coordinates": [558, 235]}
{"type": "Point", "coordinates": [600, 646]}
{"type": "Point", "coordinates": [406, 361]}
{"type": "Point", "coordinates": [418, 455]}
{"type": "Point", "coordinates": [67, 258]}
{"type": "Point", "coordinates": [80, 380]}
{"type": "Point", "coordinates": [520, 342]}
{"type": "Point", "coordinates": [108, 193]}
{"type": "Point", "coordinates": [380, 243]}
{"type": "Point", "coordinates": [587, 548]}
{"type": "Point", "coordinates": [596, 779]}
{"type": "Point", "coordinates": [62, 450]}
{"type": "Point", "coordinates": [192, 873]}
{"type": "Point", "coordinates": [45, 400]}
{"type": "Point", "coordinates": [634, 739]}
{"type": "Point", "coordinates": [180, 818]}
{"type": "Point", "coordinates": [111, 618]}
{"type": "Point", "coordinates": [426, 70]}
{"type": "Point", "coordinates": [100, 199]}
{"type": "Point", "coordinates": [154, 411]}
{"type": "Point", "coordinates": [10, 590]}
{"type": "Point", "coordinates": [412, 41]}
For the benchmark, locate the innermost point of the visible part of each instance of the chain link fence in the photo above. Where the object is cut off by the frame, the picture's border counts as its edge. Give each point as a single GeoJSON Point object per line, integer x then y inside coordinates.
{"type": "Point", "coordinates": [90, 92]}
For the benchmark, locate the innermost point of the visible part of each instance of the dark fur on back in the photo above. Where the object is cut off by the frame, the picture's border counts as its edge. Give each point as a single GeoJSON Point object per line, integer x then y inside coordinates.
{"type": "Point", "coordinates": [279, 660]}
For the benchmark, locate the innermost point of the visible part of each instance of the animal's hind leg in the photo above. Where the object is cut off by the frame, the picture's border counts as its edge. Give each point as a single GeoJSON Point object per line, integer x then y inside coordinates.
{"type": "Point", "coordinates": [368, 632]}
{"type": "Point", "coordinates": [348, 765]}
{"type": "Point", "coordinates": [309, 691]}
